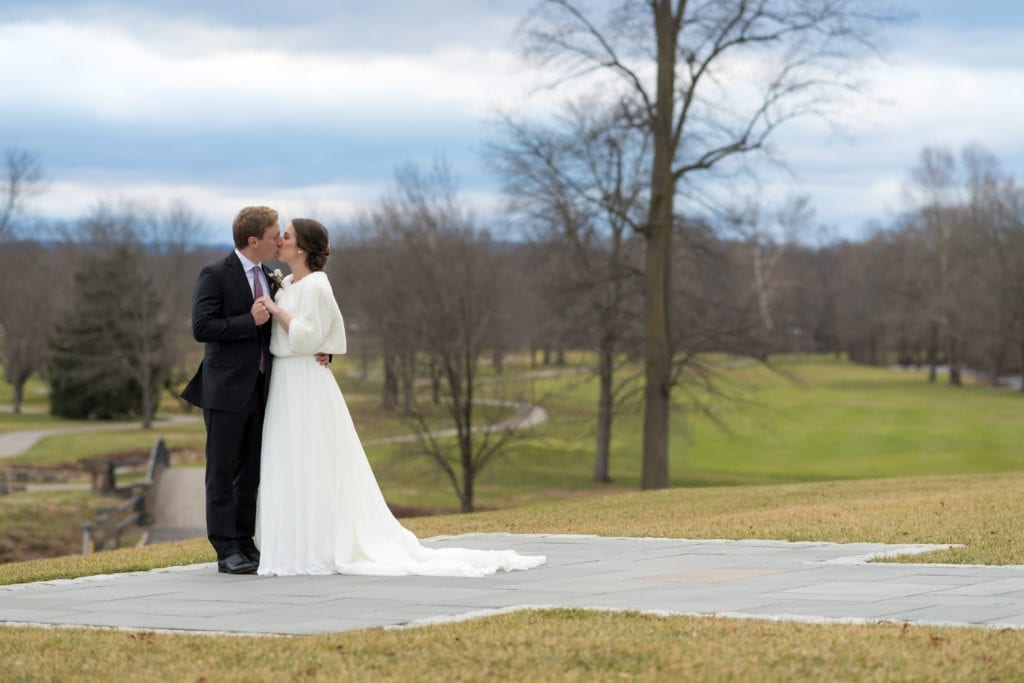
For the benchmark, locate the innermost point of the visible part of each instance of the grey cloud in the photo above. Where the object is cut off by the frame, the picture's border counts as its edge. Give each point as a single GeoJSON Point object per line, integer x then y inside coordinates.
{"type": "Point", "coordinates": [322, 25]}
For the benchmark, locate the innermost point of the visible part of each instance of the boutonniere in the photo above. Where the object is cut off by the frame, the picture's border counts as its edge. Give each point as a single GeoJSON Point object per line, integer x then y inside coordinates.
{"type": "Point", "coordinates": [277, 276]}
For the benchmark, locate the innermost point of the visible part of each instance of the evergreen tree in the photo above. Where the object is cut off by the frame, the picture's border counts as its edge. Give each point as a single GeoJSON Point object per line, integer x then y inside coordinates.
{"type": "Point", "coordinates": [109, 354]}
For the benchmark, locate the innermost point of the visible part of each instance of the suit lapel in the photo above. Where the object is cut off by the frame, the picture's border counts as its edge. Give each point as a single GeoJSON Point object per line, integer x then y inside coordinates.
{"type": "Point", "coordinates": [238, 276]}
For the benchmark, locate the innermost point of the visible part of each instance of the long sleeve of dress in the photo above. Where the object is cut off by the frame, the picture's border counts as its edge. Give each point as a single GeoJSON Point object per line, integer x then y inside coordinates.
{"type": "Point", "coordinates": [316, 325]}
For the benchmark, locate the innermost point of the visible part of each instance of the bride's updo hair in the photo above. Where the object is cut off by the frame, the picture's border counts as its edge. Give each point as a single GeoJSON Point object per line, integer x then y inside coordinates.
{"type": "Point", "coordinates": [312, 237]}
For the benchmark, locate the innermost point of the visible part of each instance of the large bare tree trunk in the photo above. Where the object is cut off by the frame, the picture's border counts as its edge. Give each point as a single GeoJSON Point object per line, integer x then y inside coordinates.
{"type": "Point", "coordinates": [466, 438]}
{"type": "Point", "coordinates": [933, 351]}
{"type": "Point", "coordinates": [407, 368]}
{"type": "Point", "coordinates": [148, 407]}
{"type": "Point", "coordinates": [955, 370]}
{"type": "Point", "coordinates": [435, 381]}
{"type": "Point", "coordinates": [606, 357]}
{"type": "Point", "coordinates": [19, 395]}
{"type": "Point", "coordinates": [389, 390]}
{"type": "Point", "coordinates": [657, 261]}
{"type": "Point", "coordinates": [1022, 364]}
{"type": "Point", "coordinates": [468, 475]}
{"type": "Point", "coordinates": [364, 361]}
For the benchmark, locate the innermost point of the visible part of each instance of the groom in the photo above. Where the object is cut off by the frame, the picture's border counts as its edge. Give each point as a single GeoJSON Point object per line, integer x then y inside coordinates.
{"type": "Point", "coordinates": [231, 383]}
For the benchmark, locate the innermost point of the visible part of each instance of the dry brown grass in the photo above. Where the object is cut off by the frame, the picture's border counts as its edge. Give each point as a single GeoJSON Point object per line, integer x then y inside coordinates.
{"type": "Point", "coordinates": [570, 645]}
{"type": "Point", "coordinates": [44, 524]}
{"type": "Point", "coordinates": [984, 513]}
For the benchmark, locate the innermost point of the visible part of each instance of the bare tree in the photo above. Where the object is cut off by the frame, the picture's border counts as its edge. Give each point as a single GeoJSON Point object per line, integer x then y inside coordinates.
{"type": "Point", "coordinates": [993, 236]}
{"type": "Point", "coordinates": [580, 186]}
{"type": "Point", "coordinates": [439, 277]}
{"type": "Point", "coordinates": [32, 299]}
{"type": "Point", "coordinates": [767, 235]}
{"type": "Point", "coordinates": [374, 298]}
{"type": "Point", "coordinates": [710, 80]}
{"type": "Point", "coordinates": [23, 175]}
{"type": "Point", "coordinates": [173, 257]}
{"type": "Point", "coordinates": [870, 278]}
{"type": "Point", "coordinates": [807, 298]}
{"type": "Point", "coordinates": [28, 310]}
{"type": "Point", "coordinates": [941, 223]}
{"type": "Point", "coordinates": [1012, 219]}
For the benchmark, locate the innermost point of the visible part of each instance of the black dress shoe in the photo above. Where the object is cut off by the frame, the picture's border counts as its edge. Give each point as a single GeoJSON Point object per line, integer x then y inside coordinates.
{"type": "Point", "coordinates": [252, 555]}
{"type": "Point", "coordinates": [237, 563]}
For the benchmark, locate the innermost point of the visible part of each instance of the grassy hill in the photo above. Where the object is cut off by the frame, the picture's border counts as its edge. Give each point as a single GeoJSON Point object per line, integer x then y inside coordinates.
{"type": "Point", "coordinates": [803, 419]}
{"type": "Point", "coordinates": [814, 449]}
{"type": "Point", "coordinates": [984, 512]}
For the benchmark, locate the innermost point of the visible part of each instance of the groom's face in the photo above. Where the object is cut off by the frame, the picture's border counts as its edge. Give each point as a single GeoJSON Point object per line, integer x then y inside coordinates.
{"type": "Point", "coordinates": [267, 246]}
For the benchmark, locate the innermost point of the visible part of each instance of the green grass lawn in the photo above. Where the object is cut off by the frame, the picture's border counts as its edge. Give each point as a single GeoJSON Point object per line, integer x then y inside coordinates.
{"type": "Point", "coordinates": [807, 419]}
{"type": "Point", "coordinates": [840, 420]}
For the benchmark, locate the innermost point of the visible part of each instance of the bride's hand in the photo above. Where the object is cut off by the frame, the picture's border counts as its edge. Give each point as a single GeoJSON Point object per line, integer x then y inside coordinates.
{"type": "Point", "coordinates": [271, 307]}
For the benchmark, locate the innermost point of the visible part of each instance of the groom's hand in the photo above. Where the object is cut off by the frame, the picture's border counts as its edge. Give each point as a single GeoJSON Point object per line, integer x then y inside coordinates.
{"type": "Point", "coordinates": [323, 359]}
{"type": "Point", "coordinates": [260, 313]}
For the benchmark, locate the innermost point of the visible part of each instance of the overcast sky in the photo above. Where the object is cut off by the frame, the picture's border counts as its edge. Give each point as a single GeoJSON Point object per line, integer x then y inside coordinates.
{"type": "Point", "coordinates": [310, 105]}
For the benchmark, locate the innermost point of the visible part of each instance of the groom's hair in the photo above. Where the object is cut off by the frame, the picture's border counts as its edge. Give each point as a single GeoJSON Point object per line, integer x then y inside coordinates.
{"type": "Point", "coordinates": [252, 221]}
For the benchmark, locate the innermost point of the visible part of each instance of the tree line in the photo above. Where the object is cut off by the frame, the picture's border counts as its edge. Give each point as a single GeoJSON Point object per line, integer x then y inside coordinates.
{"type": "Point", "coordinates": [941, 285]}
{"type": "Point", "coordinates": [100, 308]}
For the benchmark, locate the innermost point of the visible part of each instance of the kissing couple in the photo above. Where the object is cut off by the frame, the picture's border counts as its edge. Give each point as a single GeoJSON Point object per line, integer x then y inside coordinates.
{"type": "Point", "coordinates": [289, 489]}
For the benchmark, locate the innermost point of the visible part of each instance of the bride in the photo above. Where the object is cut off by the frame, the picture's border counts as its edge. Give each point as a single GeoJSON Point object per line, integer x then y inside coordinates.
{"type": "Point", "coordinates": [319, 508]}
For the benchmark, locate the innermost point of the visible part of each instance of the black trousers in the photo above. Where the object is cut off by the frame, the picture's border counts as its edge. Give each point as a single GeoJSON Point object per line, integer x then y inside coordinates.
{"type": "Point", "coordinates": [233, 442]}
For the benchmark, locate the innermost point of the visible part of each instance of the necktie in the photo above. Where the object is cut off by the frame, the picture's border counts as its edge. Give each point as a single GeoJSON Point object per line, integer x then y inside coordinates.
{"type": "Point", "coordinates": [257, 292]}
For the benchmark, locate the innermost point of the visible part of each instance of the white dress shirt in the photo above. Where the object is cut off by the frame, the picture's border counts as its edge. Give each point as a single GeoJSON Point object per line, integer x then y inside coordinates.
{"type": "Point", "coordinates": [248, 266]}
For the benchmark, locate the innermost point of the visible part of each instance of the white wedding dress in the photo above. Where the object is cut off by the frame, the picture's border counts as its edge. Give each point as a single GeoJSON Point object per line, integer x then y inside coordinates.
{"type": "Point", "coordinates": [319, 508]}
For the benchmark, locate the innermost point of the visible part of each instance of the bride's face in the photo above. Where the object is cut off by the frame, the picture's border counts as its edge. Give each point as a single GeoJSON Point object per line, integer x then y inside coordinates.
{"type": "Point", "coordinates": [289, 249]}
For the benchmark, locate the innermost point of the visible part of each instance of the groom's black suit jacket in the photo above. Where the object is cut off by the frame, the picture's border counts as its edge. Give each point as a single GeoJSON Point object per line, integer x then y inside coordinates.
{"type": "Point", "coordinates": [222, 319]}
{"type": "Point", "coordinates": [227, 388]}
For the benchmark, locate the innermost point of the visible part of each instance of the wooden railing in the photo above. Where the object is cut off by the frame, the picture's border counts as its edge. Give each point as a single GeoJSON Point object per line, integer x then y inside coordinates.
{"type": "Point", "coordinates": [112, 520]}
{"type": "Point", "coordinates": [8, 484]}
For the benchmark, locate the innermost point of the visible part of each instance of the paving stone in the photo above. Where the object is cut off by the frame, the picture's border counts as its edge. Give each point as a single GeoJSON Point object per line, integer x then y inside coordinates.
{"type": "Point", "coordinates": [997, 587]}
{"type": "Point", "coordinates": [758, 579]}
{"type": "Point", "coordinates": [943, 613]}
{"type": "Point", "coordinates": [871, 590]}
{"type": "Point", "coordinates": [1007, 621]}
{"type": "Point", "coordinates": [837, 609]}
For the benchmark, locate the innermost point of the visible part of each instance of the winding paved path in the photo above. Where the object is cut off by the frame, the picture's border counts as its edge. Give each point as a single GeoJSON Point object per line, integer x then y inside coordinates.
{"type": "Point", "coordinates": [19, 442]}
